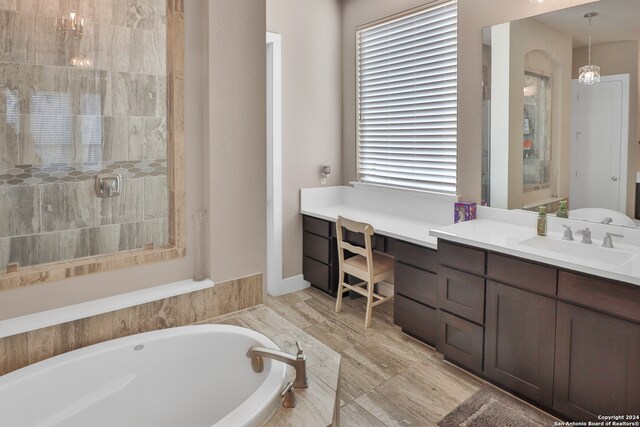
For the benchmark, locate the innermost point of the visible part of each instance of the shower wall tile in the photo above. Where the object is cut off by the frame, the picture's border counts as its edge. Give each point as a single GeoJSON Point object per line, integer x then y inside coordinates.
{"type": "Point", "coordinates": [68, 205]}
{"type": "Point", "coordinates": [7, 4]}
{"type": "Point", "coordinates": [146, 14]}
{"type": "Point", "coordinates": [54, 48]}
{"type": "Point", "coordinates": [47, 139]}
{"type": "Point", "coordinates": [109, 11]}
{"type": "Point", "coordinates": [134, 94]}
{"type": "Point", "coordinates": [91, 92]}
{"type": "Point", "coordinates": [129, 236]}
{"type": "Point", "coordinates": [147, 138]}
{"type": "Point", "coordinates": [156, 231]}
{"type": "Point", "coordinates": [17, 37]}
{"type": "Point", "coordinates": [32, 250]}
{"type": "Point", "coordinates": [9, 139]}
{"type": "Point", "coordinates": [155, 197]}
{"type": "Point", "coordinates": [87, 242]}
{"type": "Point", "coordinates": [113, 48]}
{"type": "Point", "coordinates": [154, 52]}
{"type": "Point", "coordinates": [109, 134]}
{"type": "Point", "coordinates": [127, 207]}
{"type": "Point", "coordinates": [162, 96]}
{"type": "Point", "coordinates": [19, 210]}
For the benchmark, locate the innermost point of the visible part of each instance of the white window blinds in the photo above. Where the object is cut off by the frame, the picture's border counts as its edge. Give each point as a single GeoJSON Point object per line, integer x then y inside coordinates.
{"type": "Point", "coordinates": [407, 100]}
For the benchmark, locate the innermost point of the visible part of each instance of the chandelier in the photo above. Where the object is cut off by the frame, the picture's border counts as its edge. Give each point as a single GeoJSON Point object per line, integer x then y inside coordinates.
{"type": "Point", "coordinates": [71, 26]}
{"type": "Point", "coordinates": [589, 74]}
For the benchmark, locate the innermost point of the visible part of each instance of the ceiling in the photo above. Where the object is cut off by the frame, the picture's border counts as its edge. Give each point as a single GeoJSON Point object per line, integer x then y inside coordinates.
{"type": "Point", "coordinates": [618, 20]}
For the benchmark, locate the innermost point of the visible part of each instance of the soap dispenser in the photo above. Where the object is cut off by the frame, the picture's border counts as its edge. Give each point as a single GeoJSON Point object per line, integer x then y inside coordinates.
{"type": "Point", "coordinates": [542, 221]}
{"type": "Point", "coordinates": [562, 212]}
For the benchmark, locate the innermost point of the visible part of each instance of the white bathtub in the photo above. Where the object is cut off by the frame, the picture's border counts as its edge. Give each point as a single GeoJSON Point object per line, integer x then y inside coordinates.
{"type": "Point", "coordinates": [181, 377]}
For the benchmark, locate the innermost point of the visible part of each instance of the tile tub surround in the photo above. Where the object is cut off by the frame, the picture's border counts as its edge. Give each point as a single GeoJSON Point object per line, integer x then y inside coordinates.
{"type": "Point", "coordinates": [139, 134]}
{"type": "Point", "coordinates": [388, 378]}
{"type": "Point", "coordinates": [17, 351]}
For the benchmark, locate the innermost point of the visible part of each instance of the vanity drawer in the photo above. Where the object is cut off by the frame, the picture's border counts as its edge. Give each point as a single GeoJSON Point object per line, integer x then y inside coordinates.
{"type": "Point", "coordinates": [318, 248]}
{"type": "Point", "coordinates": [417, 256]}
{"type": "Point", "coordinates": [461, 294]}
{"type": "Point", "coordinates": [317, 226]}
{"type": "Point", "coordinates": [460, 341]}
{"type": "Point", "coordinates": [320, 275]}
{"type": "Point", "coordinates": [415, 319]}
{"type": "Point", "coordinates": [522, 274]}
{"type": "Point", "coordinates": [606, 296]}
{"type": "Point", "coordinates": [416, 284]}
{"type": "Point", "coordinates": [461, 257]}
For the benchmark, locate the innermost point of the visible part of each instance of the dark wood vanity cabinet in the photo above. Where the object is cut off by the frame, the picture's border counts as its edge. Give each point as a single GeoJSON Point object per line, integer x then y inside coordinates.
{"type": "Point", "coordinates": [566, 341]}
{"type": "Point", "coordinates": [519, 341]}
{"type": "Point", "coordinates": [320, 256]}
{"type": "Point", "coordinates": [416, 289]}
{"type": "Point", "coordinates": [597, 360]}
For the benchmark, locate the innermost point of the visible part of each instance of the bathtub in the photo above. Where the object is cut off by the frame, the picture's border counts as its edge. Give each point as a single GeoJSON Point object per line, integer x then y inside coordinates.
{"type": "Point", "coordinates": [191, 376]}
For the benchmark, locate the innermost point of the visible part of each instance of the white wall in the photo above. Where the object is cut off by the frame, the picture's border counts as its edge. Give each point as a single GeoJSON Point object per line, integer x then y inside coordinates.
{"type": "Point", "coordinates": [235, 157]}
{"type": "Point", "coordinates": [311, 107]}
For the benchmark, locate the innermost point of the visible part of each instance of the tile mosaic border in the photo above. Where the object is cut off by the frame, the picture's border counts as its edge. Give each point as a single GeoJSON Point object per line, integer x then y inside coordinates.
{"type": "Point", "coordinates": [175, 179]}
{"type": "Point", "coordinates": [73, 172]}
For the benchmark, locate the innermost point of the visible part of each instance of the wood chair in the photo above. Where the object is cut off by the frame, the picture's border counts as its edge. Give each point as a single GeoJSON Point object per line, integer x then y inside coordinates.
{"type": "Point", "coordinates": [369, 266]}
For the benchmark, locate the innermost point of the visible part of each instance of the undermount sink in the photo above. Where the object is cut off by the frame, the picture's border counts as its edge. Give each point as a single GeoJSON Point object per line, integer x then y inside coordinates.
{"type": "Point", "coordinates": [593, 252]}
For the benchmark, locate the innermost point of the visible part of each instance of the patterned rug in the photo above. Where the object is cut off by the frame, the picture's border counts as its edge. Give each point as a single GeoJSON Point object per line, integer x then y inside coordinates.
{"type": "Point", "coordinates": [489, 407]}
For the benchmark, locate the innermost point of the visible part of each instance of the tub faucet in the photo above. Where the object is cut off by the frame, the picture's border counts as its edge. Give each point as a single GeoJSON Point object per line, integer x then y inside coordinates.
{"type": "Point", "coordinates": [607, 220]}
{"type": "Point", "coordinates": [298, 361]}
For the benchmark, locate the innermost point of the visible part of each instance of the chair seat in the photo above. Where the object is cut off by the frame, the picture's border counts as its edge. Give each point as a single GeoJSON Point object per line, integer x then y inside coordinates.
{"type": "Point", "coordinates": [381, 263]}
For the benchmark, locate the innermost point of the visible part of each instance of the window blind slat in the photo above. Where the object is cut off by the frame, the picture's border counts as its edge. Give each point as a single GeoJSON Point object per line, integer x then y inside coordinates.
{"type": "Point", "coordinates": [407, 101]}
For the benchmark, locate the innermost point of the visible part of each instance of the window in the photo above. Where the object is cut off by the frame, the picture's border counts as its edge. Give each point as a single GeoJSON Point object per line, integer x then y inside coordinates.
{"type": "Point", "coordinates": [407, 100]}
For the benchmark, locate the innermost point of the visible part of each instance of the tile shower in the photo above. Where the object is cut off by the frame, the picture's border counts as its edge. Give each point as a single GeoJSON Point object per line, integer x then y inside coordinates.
{"type": "Point", "coordinates": [75, 101]}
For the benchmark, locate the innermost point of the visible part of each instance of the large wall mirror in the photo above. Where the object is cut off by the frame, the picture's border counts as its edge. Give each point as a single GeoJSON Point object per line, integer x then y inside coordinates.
{"type": "Point", "coordinates": [91, 136]}
{"type": "Point", "coordinates": [549, 138]}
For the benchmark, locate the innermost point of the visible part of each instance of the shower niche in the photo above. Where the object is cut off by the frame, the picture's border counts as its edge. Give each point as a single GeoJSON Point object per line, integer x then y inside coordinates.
{"type": "Point", "coordinates": [89, 89]}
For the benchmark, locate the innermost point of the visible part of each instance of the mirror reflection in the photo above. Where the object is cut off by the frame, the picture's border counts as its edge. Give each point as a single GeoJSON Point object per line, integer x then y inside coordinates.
{"type": "Point", "coordinates": [560, 107]}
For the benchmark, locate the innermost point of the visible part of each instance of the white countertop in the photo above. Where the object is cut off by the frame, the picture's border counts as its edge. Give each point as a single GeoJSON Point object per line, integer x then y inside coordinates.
{"type": "Point", "coordinates": [390, 225]}
{"type": "Point", "coordinates": [508, 239]}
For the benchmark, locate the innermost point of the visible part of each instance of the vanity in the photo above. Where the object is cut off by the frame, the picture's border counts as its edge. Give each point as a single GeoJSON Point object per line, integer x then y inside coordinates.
{"type": "Point", "coordinates": [555, 322]}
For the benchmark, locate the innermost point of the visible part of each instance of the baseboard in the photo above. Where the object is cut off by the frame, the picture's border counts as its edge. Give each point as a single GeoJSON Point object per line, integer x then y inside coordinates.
{"type": "Point", "coordinates": [290, 284]}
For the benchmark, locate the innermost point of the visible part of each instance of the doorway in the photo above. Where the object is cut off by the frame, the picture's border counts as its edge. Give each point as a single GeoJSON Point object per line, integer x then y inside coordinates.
{"type": "Point", "coordinates": [600, 144]}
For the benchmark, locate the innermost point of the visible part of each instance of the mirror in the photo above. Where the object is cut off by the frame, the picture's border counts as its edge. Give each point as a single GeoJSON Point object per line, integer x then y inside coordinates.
{"type": "Point", "coordinates": [548, 138]}
{"type": "Point", "coordinates": [91, 134]}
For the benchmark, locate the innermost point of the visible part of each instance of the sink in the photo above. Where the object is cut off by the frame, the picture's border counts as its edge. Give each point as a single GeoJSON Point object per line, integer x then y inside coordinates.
{"type": "Point", "coordinates": [594, 252]}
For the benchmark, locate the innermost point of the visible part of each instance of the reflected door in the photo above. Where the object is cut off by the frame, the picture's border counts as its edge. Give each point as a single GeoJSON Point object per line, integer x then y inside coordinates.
{"type": "Point", "coordinates": [599, 145]}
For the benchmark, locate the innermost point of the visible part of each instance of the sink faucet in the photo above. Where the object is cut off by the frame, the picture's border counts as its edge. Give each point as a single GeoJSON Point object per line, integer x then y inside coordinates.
{"type": "Point", "coordinates": [586, 235]}
{"type": "Point", "coordinates": [607, 220]}
{"type": "Point", "coordinates": [607, 243]}
{"type": "Point", "coordinates": [298, 361]}
{"type": "Point", "coordinates": [568, 235]}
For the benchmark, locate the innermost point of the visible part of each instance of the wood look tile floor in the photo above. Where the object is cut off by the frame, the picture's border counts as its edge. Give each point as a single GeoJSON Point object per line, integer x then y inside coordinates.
{"type": "Point", "coordinates": [388, 378]}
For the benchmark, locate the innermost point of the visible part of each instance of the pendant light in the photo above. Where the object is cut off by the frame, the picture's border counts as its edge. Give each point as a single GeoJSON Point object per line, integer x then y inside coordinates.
{"type": "Point", "coordinates": [589, 74]}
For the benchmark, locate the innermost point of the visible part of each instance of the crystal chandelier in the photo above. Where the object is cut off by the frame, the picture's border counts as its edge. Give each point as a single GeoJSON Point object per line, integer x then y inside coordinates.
{"type": "Point", "coordinates": [71, 26]}
{"type": "Point", "coordinates": [589, 74]}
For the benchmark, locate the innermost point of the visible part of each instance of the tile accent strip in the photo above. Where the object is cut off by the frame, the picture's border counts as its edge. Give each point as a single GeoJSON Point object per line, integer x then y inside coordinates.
{"type": "Point", "coordinates": [18, 351]}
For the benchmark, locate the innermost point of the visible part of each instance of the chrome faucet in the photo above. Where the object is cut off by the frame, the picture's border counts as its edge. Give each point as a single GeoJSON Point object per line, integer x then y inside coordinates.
{"type": "Point", "coordinates": [298, 361]}
{"type": "Point", "coordinates": [607, 220]}
{"type": "Point", "coordinates": [586, 235]}
{"type": "Point", "coordinates": [607, 242]}
{"type": "Point", "coordinates": [568, 235]}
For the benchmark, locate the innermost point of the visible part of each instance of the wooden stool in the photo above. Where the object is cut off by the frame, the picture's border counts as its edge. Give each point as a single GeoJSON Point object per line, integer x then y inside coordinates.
{"type": "Point", "coordinates": [369, 266]}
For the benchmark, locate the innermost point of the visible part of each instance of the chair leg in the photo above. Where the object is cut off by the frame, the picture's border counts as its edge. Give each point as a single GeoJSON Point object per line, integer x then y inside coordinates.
{"type": "Point", "coordinates": [339, 296]}
{"type": "Point", "coordinates": [367, 319]}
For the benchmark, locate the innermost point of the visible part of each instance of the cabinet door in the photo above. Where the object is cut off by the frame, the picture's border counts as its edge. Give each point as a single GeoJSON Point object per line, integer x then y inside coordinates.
{"type": "Point", "coordinates": [597, 364]}
{"type": "Point", "coordinates": [519, 341]}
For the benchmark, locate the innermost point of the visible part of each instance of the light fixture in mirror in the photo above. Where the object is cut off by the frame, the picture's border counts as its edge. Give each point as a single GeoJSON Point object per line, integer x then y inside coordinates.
{"type": "Point", "coordinates": [586, 152]}
{"type": "Point", "coordinates": [589, 74]}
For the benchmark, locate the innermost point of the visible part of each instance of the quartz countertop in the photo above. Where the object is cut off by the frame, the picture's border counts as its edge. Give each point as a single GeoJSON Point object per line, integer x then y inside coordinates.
{"type": "Point", "coordinates": [515, 240]}
{"type": "Point", "coordinates": [390, 225]}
